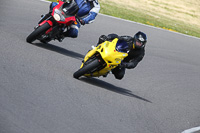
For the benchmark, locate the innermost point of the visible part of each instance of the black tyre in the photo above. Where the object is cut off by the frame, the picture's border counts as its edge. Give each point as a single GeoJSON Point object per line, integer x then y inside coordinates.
{"type": "Point", "coordinates": [37, 32]}
{"type": "Point", "coordinates": [85, 69]}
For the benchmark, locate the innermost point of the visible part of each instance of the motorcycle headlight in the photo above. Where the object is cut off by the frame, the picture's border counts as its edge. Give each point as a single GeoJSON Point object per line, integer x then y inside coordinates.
{"type": "Point", "coordinates": [58, 15]}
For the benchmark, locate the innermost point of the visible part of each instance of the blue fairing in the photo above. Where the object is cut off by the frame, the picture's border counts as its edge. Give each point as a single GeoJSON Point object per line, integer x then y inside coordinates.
{"type": "Point", "coordinates": [122, 46]}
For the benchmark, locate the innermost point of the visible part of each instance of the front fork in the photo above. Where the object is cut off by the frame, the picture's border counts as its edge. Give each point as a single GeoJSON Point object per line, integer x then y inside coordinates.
{"type": "Point", "coordinates": [56, 32]}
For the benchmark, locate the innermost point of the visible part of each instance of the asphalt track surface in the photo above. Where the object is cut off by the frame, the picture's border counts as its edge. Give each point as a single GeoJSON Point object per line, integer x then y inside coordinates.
{"type": "Point", "coordinates": [38, 93]}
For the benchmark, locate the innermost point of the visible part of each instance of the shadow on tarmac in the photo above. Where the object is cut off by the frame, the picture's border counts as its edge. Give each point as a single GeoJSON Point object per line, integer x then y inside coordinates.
{"type": "Point", "coordinates": [110, 87]}
{"type": "Point", "coordinates": [60, 50]}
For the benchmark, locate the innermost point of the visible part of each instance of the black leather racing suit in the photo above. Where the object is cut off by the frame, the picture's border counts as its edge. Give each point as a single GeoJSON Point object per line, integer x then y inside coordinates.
{"type": "Point", "coordinates": [134, 56]}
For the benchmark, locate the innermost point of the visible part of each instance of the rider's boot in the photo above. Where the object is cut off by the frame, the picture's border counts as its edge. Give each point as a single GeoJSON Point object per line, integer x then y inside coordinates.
{"type": "Point", "coordinates": [105, 75]}
{"type": "Point", "coordinates": [60, 39]}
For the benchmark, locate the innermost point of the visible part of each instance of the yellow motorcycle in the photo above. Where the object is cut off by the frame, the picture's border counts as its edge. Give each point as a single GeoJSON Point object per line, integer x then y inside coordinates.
{"type": "Point", "coordinates": [103, 58]}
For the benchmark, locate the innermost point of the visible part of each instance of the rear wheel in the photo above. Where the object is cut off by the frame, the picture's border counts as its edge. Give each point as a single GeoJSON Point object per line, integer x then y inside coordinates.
{"type": "Point", "coordinates": [86, 68]}
{"type": "Point", "coordinates": [37, 32]}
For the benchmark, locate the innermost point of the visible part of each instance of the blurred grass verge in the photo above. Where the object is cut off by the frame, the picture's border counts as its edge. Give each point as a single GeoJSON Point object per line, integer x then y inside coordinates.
{"type": "Point", "coordinates": [153, 17]}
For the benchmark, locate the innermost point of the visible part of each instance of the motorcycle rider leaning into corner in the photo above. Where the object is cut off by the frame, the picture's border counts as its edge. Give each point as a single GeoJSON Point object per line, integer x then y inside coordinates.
{"type": "Point", "coordinates": [88, 10]}
{"type": "Point", "coordinates": [135, 55]}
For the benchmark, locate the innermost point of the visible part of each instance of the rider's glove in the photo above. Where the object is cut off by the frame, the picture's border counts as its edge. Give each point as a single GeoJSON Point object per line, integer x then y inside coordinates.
{"type": "Point", "coordinates": [82, 22]}
{"type": "Point", "coordinates": [102, 39]}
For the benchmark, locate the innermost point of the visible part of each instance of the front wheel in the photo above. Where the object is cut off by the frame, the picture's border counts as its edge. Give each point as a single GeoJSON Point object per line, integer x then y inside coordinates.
{"type": "Point", "coordinates": [37, 32]}
{"type": "Point", "coordinates": [86, 68]}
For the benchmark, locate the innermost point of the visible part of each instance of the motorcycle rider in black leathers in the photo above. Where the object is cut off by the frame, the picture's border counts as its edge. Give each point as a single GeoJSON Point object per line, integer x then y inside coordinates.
{"type": "Point", "coordinates": [135, 55]}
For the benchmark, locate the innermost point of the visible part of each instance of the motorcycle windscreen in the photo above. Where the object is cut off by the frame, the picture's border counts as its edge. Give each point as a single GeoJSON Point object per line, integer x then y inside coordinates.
{"type": "Point", "coordinates": [70, 9]}
{"type": "Point", "coordinates": [122, 46]}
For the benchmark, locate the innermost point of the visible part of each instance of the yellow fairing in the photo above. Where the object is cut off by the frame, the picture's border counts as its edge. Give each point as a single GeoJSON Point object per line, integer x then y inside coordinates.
{"type": "Point", "coordinates": [109, 54]}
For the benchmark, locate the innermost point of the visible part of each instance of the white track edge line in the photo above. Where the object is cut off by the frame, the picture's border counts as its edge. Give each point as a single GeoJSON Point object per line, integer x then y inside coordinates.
{"type": "Point", "coordinates": [192, 130]}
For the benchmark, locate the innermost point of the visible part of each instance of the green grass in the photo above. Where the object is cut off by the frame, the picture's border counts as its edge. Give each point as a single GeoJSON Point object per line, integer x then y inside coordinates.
{"type": "Point", "coordinates": [141, 17]}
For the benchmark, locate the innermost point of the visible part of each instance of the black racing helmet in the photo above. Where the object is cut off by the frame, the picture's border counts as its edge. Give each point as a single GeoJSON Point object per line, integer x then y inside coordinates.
{"type": "Point", "coordinates": [139, 40]}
